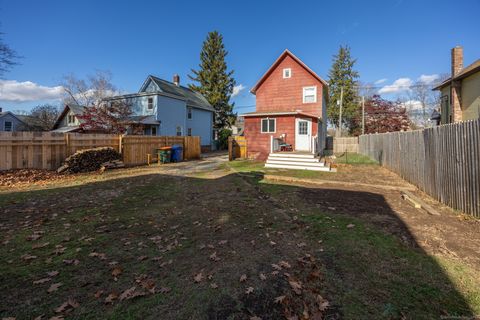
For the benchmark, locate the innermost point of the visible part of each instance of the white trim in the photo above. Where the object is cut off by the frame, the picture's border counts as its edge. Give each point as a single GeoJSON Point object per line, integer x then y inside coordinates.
{"type": "Point", "coordinates": [286, 113]}
{"type": "Point", "coordinates": [285, 70]}
{"type": "Point", "coordinates": [268, 125]}
{"type": "Point", "coordinates": [181, 131]}
{"type": "Point", "coordinates": [306, 136]}
{"type": "Point", "coordinates": [315, 93]}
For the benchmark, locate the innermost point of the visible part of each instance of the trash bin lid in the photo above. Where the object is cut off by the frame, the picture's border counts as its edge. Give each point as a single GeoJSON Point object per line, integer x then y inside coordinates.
{"type": "Point", "coordinates": [165, 148]}
{"type": "Point", "coordinates": [177, 147]}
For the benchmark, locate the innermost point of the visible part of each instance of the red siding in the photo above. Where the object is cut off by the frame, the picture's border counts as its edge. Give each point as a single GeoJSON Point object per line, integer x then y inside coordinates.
{"type": "Point", "coordinates": [278, 94]}
{"type": "Point", "coordinates": [258, 144]}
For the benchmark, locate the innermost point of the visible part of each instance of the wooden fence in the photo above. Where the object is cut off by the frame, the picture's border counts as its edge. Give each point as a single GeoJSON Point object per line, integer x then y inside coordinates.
{"type": "Point", "coordinates": [443, 161]}
{"type": "Point", "coordinates": [345, 144]}
{"type": "Point", "coordinates": [47, 150]}
{"type": "Point", "coordinates": [237, 147]}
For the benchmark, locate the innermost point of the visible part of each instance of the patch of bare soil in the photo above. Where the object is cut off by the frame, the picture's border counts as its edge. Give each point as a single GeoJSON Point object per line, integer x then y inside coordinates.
{"type": "Point", "coordinates": [25, 177]}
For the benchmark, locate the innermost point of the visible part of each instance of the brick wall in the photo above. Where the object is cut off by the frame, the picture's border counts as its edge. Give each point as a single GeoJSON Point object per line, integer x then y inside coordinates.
{"type": "Point", "coordinates": [278, 94]}
{"type": "Point", "coordinates": [456, 87]}
{"type": "Point", "coordinates": [258, 144]}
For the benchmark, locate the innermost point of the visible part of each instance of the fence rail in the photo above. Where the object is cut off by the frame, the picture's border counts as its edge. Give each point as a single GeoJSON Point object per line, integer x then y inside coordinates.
{"type": "Point", "coordinates": [443, 161]}
{"type": "Point", "coordinates": [47, 150]}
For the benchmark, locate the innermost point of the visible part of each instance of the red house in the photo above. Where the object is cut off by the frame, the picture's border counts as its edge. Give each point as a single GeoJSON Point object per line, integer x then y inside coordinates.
{"type": "Point", "coordinates": [290, 118]}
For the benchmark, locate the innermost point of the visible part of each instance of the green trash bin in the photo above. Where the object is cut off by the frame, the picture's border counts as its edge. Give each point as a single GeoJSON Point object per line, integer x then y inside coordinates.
{"type": "Point", "coordinates": [165, 154]}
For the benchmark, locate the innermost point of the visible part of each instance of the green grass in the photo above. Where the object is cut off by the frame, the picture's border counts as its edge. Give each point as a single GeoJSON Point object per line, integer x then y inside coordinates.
{"type": "Point", "coordinates": [353, 158]}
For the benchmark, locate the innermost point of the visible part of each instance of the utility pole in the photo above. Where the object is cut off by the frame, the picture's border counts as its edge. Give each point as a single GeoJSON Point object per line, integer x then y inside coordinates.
{"type": "Point", "coordinates": [363, 114]}
{"type": "Point", "coordinates": [340, 115]}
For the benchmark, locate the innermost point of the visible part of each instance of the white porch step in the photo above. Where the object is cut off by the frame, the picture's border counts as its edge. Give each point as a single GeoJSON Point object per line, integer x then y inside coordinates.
{"type": "Point", "coordinates": [296, 159]}
{"type": "Point", "coordinates": [297, 166]}
{"type": "Point", "coordinates": [315, 163]}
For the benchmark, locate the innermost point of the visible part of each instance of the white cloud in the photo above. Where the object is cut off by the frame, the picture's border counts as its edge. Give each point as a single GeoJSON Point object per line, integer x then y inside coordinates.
{"type": "Point", "coordinates": [428, 79]}
{"type": "Point", "coordinates": [237, 90]}
{"type": "Point", "coordinates": [399, 85]}
{"type": "Point", "coordinates": [381, 81]}
{"type": "Point", "coordinates": [12, 90]}
{"type": "Point", "coordinates": [413, 105]}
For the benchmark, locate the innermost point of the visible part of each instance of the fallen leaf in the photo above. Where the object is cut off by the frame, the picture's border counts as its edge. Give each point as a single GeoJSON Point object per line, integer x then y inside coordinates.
{"type": "Point", "coordinates": [71, 261]}
{"type": "Point", "coordinates": [116, 272]}
{"type": "Point", "coordinates": [69, 305]}
{"type": "Point", "coordinates": [165, 290]}
{"type": "Point", "coordinates": [56, 318]}
{"type": "Point", "coordinates": [322, 303]}
{"type": "Point", "coordinates": [214, 257]}
{"type": "Point", "coordinates": [263, 277]}
{"type": "Point", "coordinates": [222, 242]}
{"type": "Point", "coordinates": [198, 277]}
{"type": "Point", "coordinates": [255, 318]}
{"type": "Point", "coordinates": [351, 225]}
{"type": "Point", "coordinates": [130, 293]}
{"type": "Point", "coordinates": [98, 294]}
{"type": "Point", "coordinates": [54, 287]}
{"type": "Point", "coordinates": [284, 264]}
{"type": "Point", "coordinates": [279, 299]}
{"type": "Point", "coordinates": [42, 281]}
{"type": "Point", "coordinates": [296, 286]}
{"type": "Point", "coordinates": [302, 244]}
{"type": "Point", "coordinates": [249, 290]}
{"type": "Point", "coordinates": [111, 297]}
{"type": "Point", "coordinates": [142, 258]}
{"type": "Point", "coordinates": [52, 273]}
{"type": "Point", "coordinates": [28, 257]}
{"type": "Point", "coordinates": [213, 285]}
{"type": "Point", "coordinates": [243, 278]}
{"type": "Point", "coordinates": [276, 266]}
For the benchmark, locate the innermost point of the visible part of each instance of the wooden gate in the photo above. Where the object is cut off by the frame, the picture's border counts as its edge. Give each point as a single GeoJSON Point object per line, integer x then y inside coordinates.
{"type": "Point", "coordinates": [237, 148]}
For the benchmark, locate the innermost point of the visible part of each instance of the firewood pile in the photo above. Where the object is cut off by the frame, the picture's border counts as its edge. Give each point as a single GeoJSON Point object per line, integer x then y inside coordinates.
{"type": "Point", "coordinates": [92, 160]}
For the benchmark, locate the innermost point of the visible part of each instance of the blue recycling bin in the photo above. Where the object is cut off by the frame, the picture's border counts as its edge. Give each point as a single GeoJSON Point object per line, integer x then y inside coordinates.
{"type": "Point", "coordinates": [177, 153]}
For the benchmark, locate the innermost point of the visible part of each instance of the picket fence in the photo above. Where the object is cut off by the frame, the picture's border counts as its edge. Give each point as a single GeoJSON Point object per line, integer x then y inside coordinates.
{"type": "Point", "coordinates": [443, 161]}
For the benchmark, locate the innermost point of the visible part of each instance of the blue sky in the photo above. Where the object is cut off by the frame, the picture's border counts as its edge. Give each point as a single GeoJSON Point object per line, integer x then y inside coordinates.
{"type": "Point", "coordinates": [397, 39]}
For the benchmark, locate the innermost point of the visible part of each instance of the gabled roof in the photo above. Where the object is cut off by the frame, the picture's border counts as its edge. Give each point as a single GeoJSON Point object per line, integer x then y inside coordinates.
{"type": "Point", "coordinates": [192, 98]}
{"type": "Point", "coordinates": [4, 113]}
{"type": "Point", "coordinates": [76, 109]}
{"type": "Point", "coordinates": [465, 72]}
{"type": "Point", "coordinates": [278, 61]}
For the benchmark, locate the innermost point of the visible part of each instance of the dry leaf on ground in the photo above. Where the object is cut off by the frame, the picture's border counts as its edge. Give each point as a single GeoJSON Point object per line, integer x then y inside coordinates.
{"type": "Point", "coordinates": [54, 287]}
{"type": "Point", "coordinates": [243, 277]}
{"type": "Point", "coordinates": [249, 290]}
{"type": "Point", "coordinates": [40, 281]}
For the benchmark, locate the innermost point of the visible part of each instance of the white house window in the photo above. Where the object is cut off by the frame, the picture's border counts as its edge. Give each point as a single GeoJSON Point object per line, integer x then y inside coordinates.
{"type": "Point", "coordinates": [179, 130]}
{"type": "Point", "coordinates": [309, 94]}
{"type": "Point", "coordinates": [8, 126]}
{"type": "Point", "coordinates": [189, 132]}
{"type": "Point", "coordinates": [71, 118]}
{"type": "Point", "coordinates": [287, 73]}
{"type": "Point", "coordinates": [150, 104]}
{"type": "Point", "coordinates": [268, 125]}
{"type": "Point", "coordinates": [189, 113]}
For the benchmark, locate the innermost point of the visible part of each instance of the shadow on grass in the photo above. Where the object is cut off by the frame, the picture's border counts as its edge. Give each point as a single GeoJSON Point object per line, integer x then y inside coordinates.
{"type": "Point", "coordinates": [370, 269]}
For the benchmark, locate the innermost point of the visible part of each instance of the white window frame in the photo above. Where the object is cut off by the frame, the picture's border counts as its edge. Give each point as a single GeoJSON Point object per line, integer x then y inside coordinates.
{"type": "Point", "coordinates": [189, 132]}
{"type": "Point", "coordinates": [289, 70]}
{"type": "Point", "coordinates": [148, 103]}
{"type": "Point", "coordinates": [5, 126]}
{"type": "Point", "coordinates": [268, 125]}
{"type": "Point", "coordinates": [314, 94]}
{"type": "Point", "coordinates": [70, 119]}
{"type": "Point", "coordinates": [179, 131]}
{"type": "Point", "coordinates": [189, 113]}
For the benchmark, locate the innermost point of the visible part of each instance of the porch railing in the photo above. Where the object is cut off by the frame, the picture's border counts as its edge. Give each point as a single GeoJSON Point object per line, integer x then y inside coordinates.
{"type": "Point", "coordinates": [274, 144]}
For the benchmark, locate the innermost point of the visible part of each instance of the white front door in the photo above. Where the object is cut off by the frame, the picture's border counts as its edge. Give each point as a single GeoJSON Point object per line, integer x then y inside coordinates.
{"type": "Point", "coordinates": [303, 134]}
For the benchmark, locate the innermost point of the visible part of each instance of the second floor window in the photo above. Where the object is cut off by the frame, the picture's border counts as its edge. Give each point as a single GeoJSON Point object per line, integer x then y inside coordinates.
{"type": "Point", "coordinates": [189, 114]}
{"type": "Point", "coordinates": [309, 94]}
{"type": "Point", "coordinates": [150, 104]}
{"type": "Point", "coordinates": [287, 73]}
{"type": "Point", "coordinates": [71, 118]}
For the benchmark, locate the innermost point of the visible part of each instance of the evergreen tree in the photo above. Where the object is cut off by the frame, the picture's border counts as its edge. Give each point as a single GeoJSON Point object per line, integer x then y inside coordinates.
{"type": "Point", "coordinates": [215, 83]}
{"type": "Point", "coordinates": [342, 74]}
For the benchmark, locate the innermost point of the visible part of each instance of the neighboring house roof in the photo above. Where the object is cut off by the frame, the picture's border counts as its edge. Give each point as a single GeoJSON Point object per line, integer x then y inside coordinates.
{"type": "Point", "coordinates": [144, 120]}
{"type": "Point", "coordinates": [192, 98]}
{"type": "Point", "coordinates": [277, 62]}
{"type": "Point", "coordinates": [465, 72]}
{"type": "Point", "coordinates": [4, 113]}
{"type": "Point", "coordinates": [67, 129]}
{"type": "Point", "coordinates": [76, 109]}
{"type": "Point", "coordinates": [275, 113]}
{"type": "Point", "coordinates": [32, 123]}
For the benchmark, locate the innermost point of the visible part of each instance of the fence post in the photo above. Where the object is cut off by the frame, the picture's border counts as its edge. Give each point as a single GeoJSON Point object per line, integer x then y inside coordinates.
{"type": "Point", "coordinates": [230, 148]}
{"type": "Point", "coordinates": [67, 144]}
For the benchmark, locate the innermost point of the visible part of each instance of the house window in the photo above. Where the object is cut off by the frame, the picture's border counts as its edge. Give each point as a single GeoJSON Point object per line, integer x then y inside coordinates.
{"type": "Point", "coordinates": [8, 126]}
{"type": "Point", "coordinates": [302, 127]}
{"type": "Point", "coordinates": [189, 132]}
{"type": "Point", "coordinates": [309, 94]}
{"type": "Point", "coordinates": [287, 73]}
{"type": "Point", "coordinates": [71, 119]}
{"type": "Point", "coordinates": [268, 125]}
{"type": "Point", "coordinates": [179, 131]}
{"type": "Point", "coordinates": [189, 113]}
{"type": "Point", "coordinates": [154, 131]}
{"type": "Point", "coordinates": [150, 104]}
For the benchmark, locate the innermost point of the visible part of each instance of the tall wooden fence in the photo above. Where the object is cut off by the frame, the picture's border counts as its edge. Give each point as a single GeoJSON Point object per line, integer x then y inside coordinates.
{"type": "Point", "coordinates": [443, 161]}
{"type": "Point", "coordinates": [47, 150]}
{"type": "Point", "coordinates": [237, 148]}
{"type": "Point", "coordinates": [345, 144]}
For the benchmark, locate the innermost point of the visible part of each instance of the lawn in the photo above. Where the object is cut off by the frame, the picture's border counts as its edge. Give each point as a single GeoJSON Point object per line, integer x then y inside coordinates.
{"type": "Point", "coordinates": [229, 247]}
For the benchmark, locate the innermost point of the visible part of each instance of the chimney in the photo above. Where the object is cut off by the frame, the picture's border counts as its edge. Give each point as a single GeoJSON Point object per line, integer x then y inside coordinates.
{"type": "Point", "coordinates": [176, 79]}
{"type": "Point", "coordinates": [455, 94]}
{"type": "Point", "coordinates": [457, 60]}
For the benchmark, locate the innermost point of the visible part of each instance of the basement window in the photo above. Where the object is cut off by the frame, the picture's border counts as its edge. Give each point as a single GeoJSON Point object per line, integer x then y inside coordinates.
{"type": "Point", "coordinates": [268, 125]}
{"type": "Point", "coordinates": [287, 73]}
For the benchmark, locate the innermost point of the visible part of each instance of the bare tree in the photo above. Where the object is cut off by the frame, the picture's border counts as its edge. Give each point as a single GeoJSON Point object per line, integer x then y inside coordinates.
{"type": "Point", "coordinates": [46, 114]}
{"type": "Point", "coordinates": [8, 57]}
{"type": "Point", "coordinates": [90, 91]}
